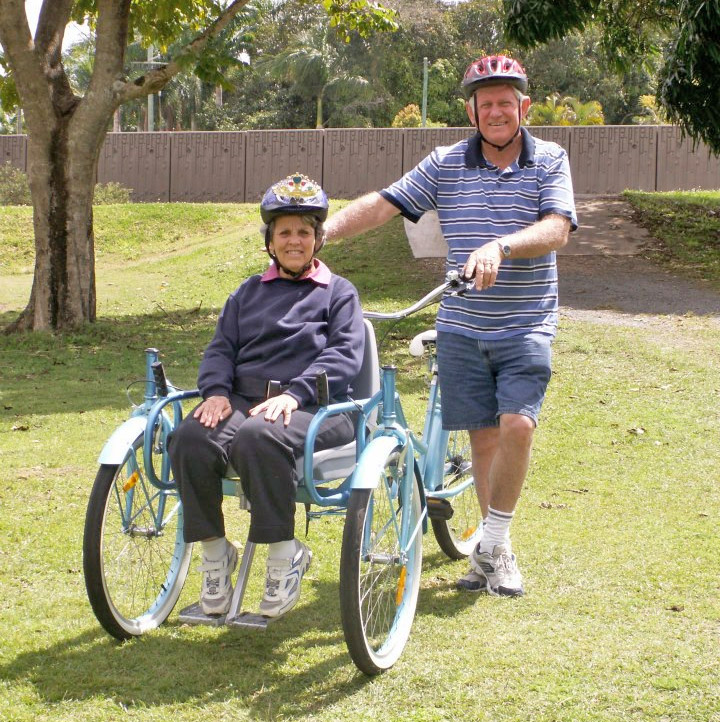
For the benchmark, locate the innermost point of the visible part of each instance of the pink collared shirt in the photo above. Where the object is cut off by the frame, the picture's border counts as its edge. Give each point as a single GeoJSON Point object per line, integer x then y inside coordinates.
{"type": "Point", "coordinates": [320, 274]}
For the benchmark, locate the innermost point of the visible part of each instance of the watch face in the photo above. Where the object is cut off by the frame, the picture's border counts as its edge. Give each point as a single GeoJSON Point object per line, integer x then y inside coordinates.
{"type": "Point", "coordinates": [506, 250]}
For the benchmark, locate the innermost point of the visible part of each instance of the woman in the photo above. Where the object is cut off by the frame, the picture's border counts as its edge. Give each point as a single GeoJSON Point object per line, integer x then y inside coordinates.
{"type": "Point", "coordinates": [286, 325]}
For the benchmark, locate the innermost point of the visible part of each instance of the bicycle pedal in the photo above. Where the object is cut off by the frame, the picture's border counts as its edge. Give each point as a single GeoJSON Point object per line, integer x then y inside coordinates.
{"type": "Point", "coordinates": [439, 509]}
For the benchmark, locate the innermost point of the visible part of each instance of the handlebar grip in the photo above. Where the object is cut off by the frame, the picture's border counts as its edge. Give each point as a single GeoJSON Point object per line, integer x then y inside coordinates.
{"type": "Point", "coordinates": [323, 388]}
{"type": "Point", "coordinates": [160, 379]}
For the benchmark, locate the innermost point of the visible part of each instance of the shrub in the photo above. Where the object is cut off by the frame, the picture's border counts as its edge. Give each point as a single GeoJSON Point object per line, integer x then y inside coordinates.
{"type": "Point", "coordinates": [109, 193]}
{"type": "Point", "coordinates": [15, 189]}
{"type": "Point", "coordinates": [411, 117]}
{"type": "Point", "coordinates": [408, 117]}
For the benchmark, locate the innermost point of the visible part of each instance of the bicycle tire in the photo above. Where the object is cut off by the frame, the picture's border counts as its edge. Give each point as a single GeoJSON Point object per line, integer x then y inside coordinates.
{"type": "Point", "coordinates": [458, 535]}
{"type": "Point", "coordinates": [134, 571]}
{"type": "Point", "coordinates": [378, 588]}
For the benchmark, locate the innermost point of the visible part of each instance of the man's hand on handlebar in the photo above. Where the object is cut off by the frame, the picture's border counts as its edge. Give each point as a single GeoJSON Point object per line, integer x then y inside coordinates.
{"type": "Point", "coordinates": [483, 265]}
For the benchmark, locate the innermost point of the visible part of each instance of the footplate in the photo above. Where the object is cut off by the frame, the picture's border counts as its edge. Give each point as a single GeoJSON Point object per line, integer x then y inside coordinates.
{"type": "Point", "coordinates": [249, 620]}
{"type": "Point", "coordinates": [195, 615]}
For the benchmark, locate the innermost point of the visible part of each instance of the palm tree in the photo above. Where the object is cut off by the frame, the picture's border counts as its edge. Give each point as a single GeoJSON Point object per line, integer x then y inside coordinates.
{"type": "Point", "coordinates": [314, 68]}
{"type": "Point", "coordinates": [566, 111]}
{"type": "Point", "coordinates": [590, 113]}
{"type": "Point", "coordinates": [552, 112]}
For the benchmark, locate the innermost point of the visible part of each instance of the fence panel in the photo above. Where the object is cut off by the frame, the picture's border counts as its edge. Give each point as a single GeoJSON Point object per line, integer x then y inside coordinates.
{"type": "Point", "coordinates": [239, 166]}
{"type": "Point", "coordinates": [274, 154]}
{"type": "Point", "coordinates": [679, 166]}
{"type": "Point", "coordinates": [13, 150]}
{"type": "Point", "coordinates": [554, 134]}
{"type": "Point", "coordinates": [358, 160]}
{"type": "Point", "coordinates": [140, 161]}
{"type": "Point", "coordinates": [208, 167]}
{"type": "Point", "coordinates": [419, 142]}
{"type": "Point", "coordinates": [606, 160]}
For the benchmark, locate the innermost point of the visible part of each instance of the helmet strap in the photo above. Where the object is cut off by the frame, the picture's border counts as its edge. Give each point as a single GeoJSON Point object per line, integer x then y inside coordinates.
{"type": "Point", "coordinates": [293, 274]}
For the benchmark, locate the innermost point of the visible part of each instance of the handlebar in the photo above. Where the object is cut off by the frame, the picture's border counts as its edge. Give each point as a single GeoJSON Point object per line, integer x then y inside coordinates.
{"type": "Point", "coordinates": [452, 280]}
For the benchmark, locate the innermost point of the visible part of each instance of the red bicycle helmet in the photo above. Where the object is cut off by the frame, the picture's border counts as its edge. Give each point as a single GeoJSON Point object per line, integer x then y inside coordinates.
{"type": "Point", "coordinates": [494, 70]}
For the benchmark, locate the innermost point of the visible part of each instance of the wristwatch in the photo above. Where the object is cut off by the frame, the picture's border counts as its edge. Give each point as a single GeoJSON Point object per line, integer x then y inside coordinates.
{"type": "Point", "coordinates": [504, 249]}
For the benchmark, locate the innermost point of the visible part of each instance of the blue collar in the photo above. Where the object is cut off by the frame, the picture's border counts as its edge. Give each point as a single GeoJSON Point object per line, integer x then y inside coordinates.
{"type": "Point", "coordinates": [474, 157]}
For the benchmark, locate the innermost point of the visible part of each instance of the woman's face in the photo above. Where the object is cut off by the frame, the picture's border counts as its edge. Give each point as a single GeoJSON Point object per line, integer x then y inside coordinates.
{"type": "Point", "coordinates": [292, 243]}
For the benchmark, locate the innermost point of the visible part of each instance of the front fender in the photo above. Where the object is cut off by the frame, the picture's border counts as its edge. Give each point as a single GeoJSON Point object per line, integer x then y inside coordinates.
{"type": "Point", "coordinates": [121, 441]}
{"type": "Point", "coordinates": [372, 461]}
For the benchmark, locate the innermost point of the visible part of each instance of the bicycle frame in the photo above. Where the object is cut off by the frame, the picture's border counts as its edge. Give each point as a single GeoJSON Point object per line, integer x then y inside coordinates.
{"type": "Point", "coordinates": [430, 459]}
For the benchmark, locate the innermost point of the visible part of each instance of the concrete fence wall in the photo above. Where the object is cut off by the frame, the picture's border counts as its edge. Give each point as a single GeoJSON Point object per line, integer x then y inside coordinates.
{"type": "Point", "coordinates": [239, 166]}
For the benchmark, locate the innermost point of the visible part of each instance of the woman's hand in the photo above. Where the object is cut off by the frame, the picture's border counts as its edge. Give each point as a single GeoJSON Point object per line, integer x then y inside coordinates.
{"type": "Point", "coordinates": [283, 404]}
{"type": "Point", "coordinates": [213, 410]}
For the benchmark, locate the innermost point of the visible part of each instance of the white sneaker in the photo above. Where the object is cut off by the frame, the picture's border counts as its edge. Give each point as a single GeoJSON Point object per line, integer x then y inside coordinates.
{"type": "Point", "coordinates": [216, 592]}
{"type": "Point", "coordinates": [500, 569]}
{"type": "Point", "coordinates": [282, 584]}
{"type": "Point", "coordinates": [472, 582]}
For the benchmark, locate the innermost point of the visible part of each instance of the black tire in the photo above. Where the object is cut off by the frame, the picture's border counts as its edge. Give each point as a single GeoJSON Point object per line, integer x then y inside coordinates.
{"type": "Point", "coordinates": [378, 585]}
{"type": "Point", "coordinates": [458, 535]}
{"type": "Point", "coordinates": [134, 567]}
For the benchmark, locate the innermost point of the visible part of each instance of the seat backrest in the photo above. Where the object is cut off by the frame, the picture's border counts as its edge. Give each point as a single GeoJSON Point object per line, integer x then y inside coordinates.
{"type": "Point", "coordinates": [367, 381]}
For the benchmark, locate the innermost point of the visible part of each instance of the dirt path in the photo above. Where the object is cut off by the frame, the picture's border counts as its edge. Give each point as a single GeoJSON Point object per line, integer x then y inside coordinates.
{"type": "Point", "coordinates": [604, 278]}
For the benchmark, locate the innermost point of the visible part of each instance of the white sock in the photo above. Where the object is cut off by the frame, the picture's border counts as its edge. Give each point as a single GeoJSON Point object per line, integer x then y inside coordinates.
{"type": "Point", "coordinates": [496, 530]}
{"type": "Point", "coordinates": [282, 549]}
{"type": "Point", "coordinates": [214, 549]}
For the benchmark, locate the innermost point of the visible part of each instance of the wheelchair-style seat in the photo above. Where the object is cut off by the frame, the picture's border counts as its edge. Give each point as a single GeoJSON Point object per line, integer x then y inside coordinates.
{"type": "Point", "coordinates": [328, 465]}
{"type": "Point", "coordinates": [339, 462]}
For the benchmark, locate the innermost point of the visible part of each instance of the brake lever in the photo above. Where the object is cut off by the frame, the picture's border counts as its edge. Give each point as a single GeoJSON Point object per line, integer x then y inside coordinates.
{"type": "Point", "coordinates": [461, 287]}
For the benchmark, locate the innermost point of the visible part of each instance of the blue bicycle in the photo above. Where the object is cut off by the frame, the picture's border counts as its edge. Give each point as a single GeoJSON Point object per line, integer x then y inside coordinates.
{"type": "Point", "coordinates": [387, 483]}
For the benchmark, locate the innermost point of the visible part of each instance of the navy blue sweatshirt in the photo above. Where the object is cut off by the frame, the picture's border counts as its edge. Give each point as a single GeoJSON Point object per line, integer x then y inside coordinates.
{"type": "Point", "coordinates": [287, 331]}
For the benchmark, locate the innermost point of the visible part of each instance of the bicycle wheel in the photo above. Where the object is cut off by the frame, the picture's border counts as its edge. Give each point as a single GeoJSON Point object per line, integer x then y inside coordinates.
{"type": "Point", "coordinates": [379, 574]}
{"type": "Point", "coordinates": [458, 535]}
{"type": "Point", "coordinates": [134, 558]}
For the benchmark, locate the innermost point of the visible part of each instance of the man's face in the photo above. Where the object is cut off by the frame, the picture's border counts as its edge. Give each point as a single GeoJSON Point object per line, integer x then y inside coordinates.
{"type": "Point", "coordinates": [497, 112]}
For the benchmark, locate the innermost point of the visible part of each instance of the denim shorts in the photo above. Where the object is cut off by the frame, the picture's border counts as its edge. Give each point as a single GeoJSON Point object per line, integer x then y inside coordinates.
{"type": "Point", "coordinates": [480, 380]}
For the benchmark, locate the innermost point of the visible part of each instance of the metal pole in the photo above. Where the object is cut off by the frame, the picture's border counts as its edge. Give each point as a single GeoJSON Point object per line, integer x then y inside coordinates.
{"type": "Point", "coordinates": [425, 91]}
{"type": "Point", "coordinates": [151, 97]}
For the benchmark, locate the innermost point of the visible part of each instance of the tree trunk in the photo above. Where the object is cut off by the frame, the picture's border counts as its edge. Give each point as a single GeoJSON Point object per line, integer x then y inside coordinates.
{"type": "Point", "coordinates": [319, 112]}
{"type": "Point", "coordinates": [62, 185]}
{"type": "Point", "coordinates": [65, 133]}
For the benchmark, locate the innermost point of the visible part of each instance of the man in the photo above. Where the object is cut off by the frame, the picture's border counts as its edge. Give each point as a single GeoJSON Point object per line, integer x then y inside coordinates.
{"type": "Point", "coordinates": [505, 204]}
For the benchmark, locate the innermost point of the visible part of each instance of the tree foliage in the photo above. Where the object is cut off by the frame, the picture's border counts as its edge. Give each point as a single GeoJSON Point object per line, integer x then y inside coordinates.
{"type": "Point", "coordinates": [632, 31]}
{"type": "Point", "coordinates": [689, 89]}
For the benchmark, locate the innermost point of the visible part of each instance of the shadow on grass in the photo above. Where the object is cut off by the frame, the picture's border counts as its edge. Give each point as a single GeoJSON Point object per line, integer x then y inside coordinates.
{"type": "Point", "coordinates": [299, 665]}
{"type": "Point", "coordinates": [177, 665]}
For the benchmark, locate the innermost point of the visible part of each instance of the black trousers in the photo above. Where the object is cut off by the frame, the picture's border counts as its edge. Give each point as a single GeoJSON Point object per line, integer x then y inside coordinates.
{"type": "Point", "coordinates": [261, 452]}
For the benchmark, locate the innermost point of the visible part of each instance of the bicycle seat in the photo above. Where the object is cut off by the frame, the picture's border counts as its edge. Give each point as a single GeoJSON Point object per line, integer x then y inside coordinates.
{"type": "Point", "coordinates": [417, 345]}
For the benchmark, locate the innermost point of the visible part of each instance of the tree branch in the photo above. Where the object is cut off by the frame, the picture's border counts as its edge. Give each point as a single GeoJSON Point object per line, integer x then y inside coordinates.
{"type": "Point", "coordinates": [27, 65]}
{"type": "Point", "coordinates": [53, 19]}
{"type": "Point", "coordinates": [157, 78]}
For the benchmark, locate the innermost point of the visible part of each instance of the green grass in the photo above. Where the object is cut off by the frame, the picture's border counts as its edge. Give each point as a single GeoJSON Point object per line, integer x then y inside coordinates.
{"type": "Point", "coordinates": [686, 227]}
{"type": "Point", "coordinates": [616, 532]}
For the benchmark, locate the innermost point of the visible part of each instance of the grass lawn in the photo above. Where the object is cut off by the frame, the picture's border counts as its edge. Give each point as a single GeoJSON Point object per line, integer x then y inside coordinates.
{"type": "Point", "coordinates": [616, 532]}
{"type": "Point", "coordinates": [687, 229]}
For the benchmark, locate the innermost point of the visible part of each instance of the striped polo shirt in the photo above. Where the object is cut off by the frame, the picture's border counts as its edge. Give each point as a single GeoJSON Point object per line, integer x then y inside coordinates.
{"type": "Point", "coordinates": [477, 203]}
